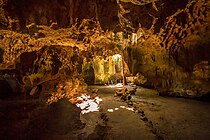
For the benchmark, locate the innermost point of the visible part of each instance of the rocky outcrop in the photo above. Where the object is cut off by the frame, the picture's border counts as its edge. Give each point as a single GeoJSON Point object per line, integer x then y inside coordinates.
{"type": "Point", "coordinates": [176, 61]}
{"type": "Point", "coordinates": [53, 62]}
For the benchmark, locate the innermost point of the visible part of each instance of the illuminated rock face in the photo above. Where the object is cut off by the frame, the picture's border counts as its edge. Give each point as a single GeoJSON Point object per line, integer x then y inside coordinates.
{"type": "Point", "coordinates": [103, 71]}
{"type": "Point", "coordinates": [166, 42]}
{"type": "Point", "coordinates": [175, 61]}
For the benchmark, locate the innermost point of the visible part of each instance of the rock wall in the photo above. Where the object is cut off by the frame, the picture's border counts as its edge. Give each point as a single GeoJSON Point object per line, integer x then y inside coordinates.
{"type": "Point", "coordinates": [30, 63]}
{"type": "Point", "coordinates": [164, 41]}
{"type": "Point", "coordinates": [175, 61]}
{"type": "Point", "coordinates": [103, 71]}
{"type": "Point", "coordinates": [49, 61]}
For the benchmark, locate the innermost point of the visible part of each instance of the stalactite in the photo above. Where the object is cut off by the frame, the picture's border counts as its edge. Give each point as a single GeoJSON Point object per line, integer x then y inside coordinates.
{"type": "Point", "coordinates": [182, 24]}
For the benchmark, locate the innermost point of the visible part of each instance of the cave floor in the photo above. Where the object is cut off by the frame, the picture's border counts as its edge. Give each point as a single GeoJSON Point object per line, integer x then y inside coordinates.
{"type": "Point", "coordinates": [156, 117]}
{"type": "Point", "coordinates": [150, 117]}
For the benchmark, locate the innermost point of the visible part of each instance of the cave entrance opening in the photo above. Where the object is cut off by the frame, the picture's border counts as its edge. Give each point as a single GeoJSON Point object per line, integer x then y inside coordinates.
{"type": "Point", "coordinates": [118, 69]}
{"type": "Point", "coordinates": [100, 70]}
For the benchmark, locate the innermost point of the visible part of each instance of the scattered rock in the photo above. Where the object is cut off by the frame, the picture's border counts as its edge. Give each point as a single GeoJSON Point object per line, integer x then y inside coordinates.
{"type": "Point", "coordinates": [130, 103]}
{"type": "Point", "coordinates": [124, 94]}
{"type": "Point", "coordinates": [104, 117]}
{"type": "Point", "coordinates": [144, 119]}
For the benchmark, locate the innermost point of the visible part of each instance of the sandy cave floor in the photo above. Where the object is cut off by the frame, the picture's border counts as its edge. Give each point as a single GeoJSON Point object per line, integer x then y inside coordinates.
{"type": "Point", "coordinates": [150, 117]}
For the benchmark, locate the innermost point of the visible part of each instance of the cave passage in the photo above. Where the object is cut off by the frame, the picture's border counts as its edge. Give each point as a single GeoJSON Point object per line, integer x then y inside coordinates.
{"type": "Point", "coordinates": [104, 69]}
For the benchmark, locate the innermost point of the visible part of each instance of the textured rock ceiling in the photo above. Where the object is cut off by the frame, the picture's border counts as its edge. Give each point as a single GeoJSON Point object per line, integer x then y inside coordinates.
{"type": "Point", "coordinates": [112, 14]}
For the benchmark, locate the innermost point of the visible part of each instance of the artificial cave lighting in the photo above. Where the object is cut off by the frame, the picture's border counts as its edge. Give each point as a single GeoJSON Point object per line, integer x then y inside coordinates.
{"type": "Point", "coordinates": [87, 104]}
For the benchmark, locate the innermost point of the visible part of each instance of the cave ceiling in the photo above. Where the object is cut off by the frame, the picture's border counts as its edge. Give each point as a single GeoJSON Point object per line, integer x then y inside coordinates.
{"type": "Point", "coordinates": [158, 38]}
{"type": "Point", "coordinates": [116, 15]}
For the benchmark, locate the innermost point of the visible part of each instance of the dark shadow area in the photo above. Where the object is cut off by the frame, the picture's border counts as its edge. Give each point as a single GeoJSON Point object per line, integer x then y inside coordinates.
{"type": "Point", "coordinates": [205, 97]}
{"type": "Point", "coordinates": [1, 55]}
{"type": "Point", "coordinates": [5, 90]}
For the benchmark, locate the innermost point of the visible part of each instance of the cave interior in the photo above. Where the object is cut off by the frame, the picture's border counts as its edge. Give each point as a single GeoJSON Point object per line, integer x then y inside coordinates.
{"type": "Point", "coordinates": [104, 69]}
